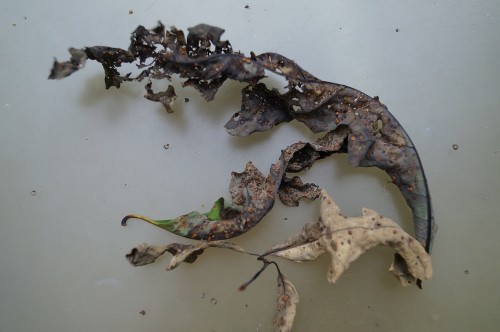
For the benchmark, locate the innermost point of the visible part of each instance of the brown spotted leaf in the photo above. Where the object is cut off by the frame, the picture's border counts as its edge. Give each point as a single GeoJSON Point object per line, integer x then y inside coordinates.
{"type": "Point", "coordinates": [347, 238]}
{"type": "Point", "coordinates": [287, 301]}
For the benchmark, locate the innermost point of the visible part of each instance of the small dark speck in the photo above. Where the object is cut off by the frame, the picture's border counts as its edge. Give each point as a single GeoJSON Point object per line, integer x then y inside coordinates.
{"type": "Point", "coordinates": [14, 25]}
{"type": "Point", "coordinates": [186, 100]}
{"type": "Point", "coordinates": [246, 305]}
{"type": "Point", "coordinates": [247, 6]}
{"type": "Point", "coordinates": [166, 146]}
{"type": "Point", "coordinates": [25, 18]}
{"type": "Point", "coordinates": [285, 219]}
{"type": "Point", "coordinates": [33, 193]}
{"type": "Point", "coordinates": [142, 312]}
{"type": "Point", "coordinates": [130, 11]}
{"type": "Point", "coordinates": [340, 28]}
{"type": "Point", "coordinates": [213, 300]}
{"type": "Point", "coordinates": [466, 272]}
{"type": "Point", "coordinates": [455, 146]}
{"type": "Point", "coordinates": [397, 30]}
{"type": "Point", "coordinates": [203, 295]}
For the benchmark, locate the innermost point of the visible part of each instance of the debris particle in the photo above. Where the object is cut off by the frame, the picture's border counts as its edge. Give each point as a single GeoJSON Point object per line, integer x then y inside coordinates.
{"type": "Point", "coordinates": [247, 6]}
{"type": "Point", "coordinates": [203, 295]}
{"type": "Point", "coordinates": [186, 100]}
{"type": "Point", "coordinates": [466, 272]}
{"type": "Point", "coordinates": [397, 30]}
{"type": "Point", "coordinates": [14, 24]}
{"type": "Point", "coordinates": [130, 11]}
{"type": "Point", "coordinates": [166, 146]}
{"type": "Point", "coordinates": [455, 146]}
{"type": "Point", "coordinates": [213, 300]}
{"type": "Point", "coordinates": [33, 193]}
{"type": "Point", "coordinates": [142, 312]}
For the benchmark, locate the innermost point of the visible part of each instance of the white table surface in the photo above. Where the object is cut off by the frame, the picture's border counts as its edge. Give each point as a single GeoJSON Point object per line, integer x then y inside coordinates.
{"type": "Point", "coordinates": [75, 158]}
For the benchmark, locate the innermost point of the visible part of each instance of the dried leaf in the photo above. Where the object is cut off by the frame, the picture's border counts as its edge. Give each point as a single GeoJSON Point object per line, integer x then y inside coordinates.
{"type": "Point", "coordinates": [400, 270]}
{"type": "Point", "coordinates": [347, 238]}
{"type": "Point", "coordinates": [253, 195]}
{"type": "Point", "coordinates": [64, 69]}
{"type": "Point", "coordinates": [302, 253]}
{"type": "Point", "coordinates": [300, 247]}
{"type": "Point", "coordinates": [166, 98]}
{"type": "Point", "coordinates": [374, 136]}
{"type": "Point", "coordinates": [293, 190]}
{"type": "Point", "coordinates": [288, 298]}
{"type": "Point", "coordinates": [145, 254]}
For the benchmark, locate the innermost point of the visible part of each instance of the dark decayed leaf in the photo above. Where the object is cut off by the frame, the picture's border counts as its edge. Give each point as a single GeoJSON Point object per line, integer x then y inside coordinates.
{"type": "Point", "coordinates": [253, 195]}
{"type": "Point", "coordinates": [166, 98]}
{"type": "Point", "coordinates": [373, 138]}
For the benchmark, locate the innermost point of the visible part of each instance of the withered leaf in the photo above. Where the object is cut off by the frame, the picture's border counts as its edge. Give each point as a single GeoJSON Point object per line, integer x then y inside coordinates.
{"type": "Point", "coordinates": [374, 136]}
{"type": "Point", "coordinates": [166, 98]}
{"type": "Point", "coordinates": [288, 298]}
{"type": "Point", "coordinates": [144, 254]}
{"type": "Point", "coordinates": [346, 238]}
{"type": "Point", "coordinates": [253, 195]}
{"type": "Point", "coordinates": [64, 69]}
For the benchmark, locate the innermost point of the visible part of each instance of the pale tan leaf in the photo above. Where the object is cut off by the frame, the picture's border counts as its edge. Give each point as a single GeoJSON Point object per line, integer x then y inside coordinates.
{"type": "Point", "coordinates": [301, 246]}
{"type": "Point", "coordinates": [288, 298]}
{"type": "Point", "coordinates": [303, 253]}
{"type": "Point", "coordinates": [347, 238]}
{"type": "Point", "coordinates": [189, 253]}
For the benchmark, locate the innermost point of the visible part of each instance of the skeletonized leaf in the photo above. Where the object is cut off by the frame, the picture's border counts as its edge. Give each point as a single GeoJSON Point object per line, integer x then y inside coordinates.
{"type": "Point", "coordinates": [346, 238]}
{"type": "Point", "coordinates": [288, 298]}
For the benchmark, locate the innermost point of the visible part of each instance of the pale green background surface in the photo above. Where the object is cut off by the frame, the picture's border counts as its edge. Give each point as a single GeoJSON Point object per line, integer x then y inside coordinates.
{"type": "Point", "coordinates": [93, 155]}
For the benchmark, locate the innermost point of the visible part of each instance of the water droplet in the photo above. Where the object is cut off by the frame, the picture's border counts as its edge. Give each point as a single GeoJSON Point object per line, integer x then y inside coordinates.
{"type": "Point", "coordinates": [455, 146]}
{"type": "Point", "coordinates": [33, 193]}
